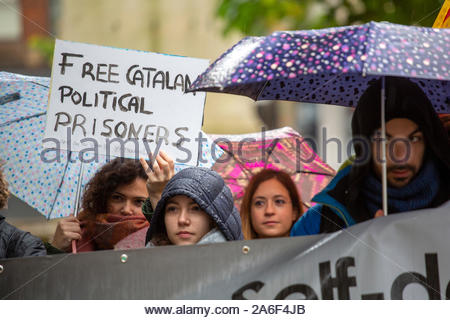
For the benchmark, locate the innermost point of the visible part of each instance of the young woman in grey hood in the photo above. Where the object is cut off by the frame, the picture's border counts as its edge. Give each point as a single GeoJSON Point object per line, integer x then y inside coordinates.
{"type": "Point", "coordinates": [196, 207]}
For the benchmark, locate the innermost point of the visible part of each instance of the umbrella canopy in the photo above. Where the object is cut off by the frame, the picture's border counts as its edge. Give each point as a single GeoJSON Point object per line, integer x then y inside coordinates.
{"type": "Point", "coordinates": [334, 65]}
{"type": "Point", "coordinates": [42, 180]}
{"type": "Point", "coordinates": [281, 149]}
{"type": "Point", "coordinates": [46, 185]}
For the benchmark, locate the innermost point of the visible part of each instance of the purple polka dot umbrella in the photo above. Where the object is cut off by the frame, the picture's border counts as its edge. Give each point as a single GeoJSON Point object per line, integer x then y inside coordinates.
{"type": "Point", "coordinates": [45, 180]}
{"type": "Point", "coordinates": [334, 66]}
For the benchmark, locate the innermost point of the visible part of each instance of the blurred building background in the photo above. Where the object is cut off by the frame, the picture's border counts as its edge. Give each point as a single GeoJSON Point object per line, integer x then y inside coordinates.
{"type": "Point", "coordinates": [187, 28]}
{"type": "Point", "coordinates": [21, 23]}
{"type": "Point", "coordinates": [194, 28]}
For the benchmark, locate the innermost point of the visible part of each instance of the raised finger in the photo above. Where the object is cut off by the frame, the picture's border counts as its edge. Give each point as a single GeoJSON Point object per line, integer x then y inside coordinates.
{"type": "Point", "coordinates": [164, 166]}
{"type": "Point", "coordinates": [168, 159]}
{"type": "Point", "coordinates": [145, 165]}
{"type": "Point", "coordinates": [156, 170]}
{"type": "Point", "coordinates": [168, 173]}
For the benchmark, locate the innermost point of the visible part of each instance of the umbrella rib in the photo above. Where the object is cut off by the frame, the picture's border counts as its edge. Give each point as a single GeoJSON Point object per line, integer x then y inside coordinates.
{"type": "Point", "coordinates": [244, 169]}
{"type": "Point", "coordinates": [21, 119]}
{"type": "Point", "coordinates": [365, 64]}
{"type": "Point", "coordinates": [40, 84]}
{"type": "Point", "coordinates": [296, 172]}
{"type": "Point", "coordinates": [318, 173]}
{"type": "Point", "coordinates": [320, 87]}
{"type": "Point", "coordinates": [69, 157]}
{"type": "Point", "coordinates": [262, 89]}
{"type": "Point", "coordinates": [270, 152]}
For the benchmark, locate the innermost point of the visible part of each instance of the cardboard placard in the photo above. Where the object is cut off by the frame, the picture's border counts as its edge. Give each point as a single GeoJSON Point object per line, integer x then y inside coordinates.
{"type": "Point", "coordinates": [123, 103]}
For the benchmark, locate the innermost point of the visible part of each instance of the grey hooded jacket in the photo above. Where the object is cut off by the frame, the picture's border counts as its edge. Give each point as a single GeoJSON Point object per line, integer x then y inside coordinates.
{"type": "Point", "coordinates": [209, 191]}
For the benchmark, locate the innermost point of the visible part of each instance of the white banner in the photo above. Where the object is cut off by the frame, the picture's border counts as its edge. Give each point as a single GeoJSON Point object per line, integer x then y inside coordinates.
{"type": "Point", "coordinates": [123, 102]}
{"type": "Point", "coordinates": [401, 256]}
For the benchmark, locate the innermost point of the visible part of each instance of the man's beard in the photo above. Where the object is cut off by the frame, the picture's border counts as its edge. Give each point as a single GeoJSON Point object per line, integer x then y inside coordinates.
{"type": "Point", "coordinates": [408, 167]}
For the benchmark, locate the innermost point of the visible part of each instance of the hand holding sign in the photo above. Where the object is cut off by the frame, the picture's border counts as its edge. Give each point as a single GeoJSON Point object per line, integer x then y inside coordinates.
{"type": "Point", "coordinates": [163, 169]}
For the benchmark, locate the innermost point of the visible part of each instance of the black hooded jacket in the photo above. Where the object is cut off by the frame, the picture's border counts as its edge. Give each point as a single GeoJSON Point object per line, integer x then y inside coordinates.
{"type": "Point", "coordinates": [404, 99]}
{"type": "Point", "coordinates": [17, 243]}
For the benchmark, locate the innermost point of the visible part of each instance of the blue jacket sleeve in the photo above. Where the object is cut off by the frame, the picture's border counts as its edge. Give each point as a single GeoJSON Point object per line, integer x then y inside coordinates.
{"type": "Point", "coordinates": [309, 222]}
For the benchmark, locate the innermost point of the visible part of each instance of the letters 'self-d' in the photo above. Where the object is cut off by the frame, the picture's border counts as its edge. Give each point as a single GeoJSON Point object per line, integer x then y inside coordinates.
{"type": "Point", "coordinates": [342, 282]}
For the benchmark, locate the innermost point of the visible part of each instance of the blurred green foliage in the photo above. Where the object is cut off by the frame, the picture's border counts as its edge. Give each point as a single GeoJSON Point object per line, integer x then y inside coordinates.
{"type": "Point", "coordinates": [260, 17]}
{"type": "Point", "coordinates": [44, 45]}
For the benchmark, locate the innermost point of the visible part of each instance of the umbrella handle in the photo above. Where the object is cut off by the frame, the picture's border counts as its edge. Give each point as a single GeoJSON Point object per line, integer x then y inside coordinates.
{"type": "Point", "coordinates": [74, 246]}
{"type": "Point", "coordinates": [383, 148]}
{"type": "Point", "coordinates": [77, 201]}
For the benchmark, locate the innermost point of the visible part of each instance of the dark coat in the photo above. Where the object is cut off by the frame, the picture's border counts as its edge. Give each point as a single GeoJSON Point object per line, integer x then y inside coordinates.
{"type": "Point", "coordinates": [404, 99]}
{"type": "Point", "coordinates": [209, 191]}
{"type": "Point", "coordinates": [17, 243]}
{"type": "Point", "coordinates": [335, 210]}
{"type": "Point", "coordinates": [341, 203]}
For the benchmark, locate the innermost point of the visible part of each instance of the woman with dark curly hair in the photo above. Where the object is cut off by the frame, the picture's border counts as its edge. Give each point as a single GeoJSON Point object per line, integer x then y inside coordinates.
{"type": "Point", "coordinates": [112, 205]}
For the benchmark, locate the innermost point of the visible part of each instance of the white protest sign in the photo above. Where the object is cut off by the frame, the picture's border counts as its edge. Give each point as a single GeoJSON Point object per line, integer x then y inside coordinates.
{"type": "Point", "coordinates": [123, 103]}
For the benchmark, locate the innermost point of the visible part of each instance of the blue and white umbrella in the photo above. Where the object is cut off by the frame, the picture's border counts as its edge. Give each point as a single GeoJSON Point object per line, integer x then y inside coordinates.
{"type": "Point", "coordinates": [43, 180]}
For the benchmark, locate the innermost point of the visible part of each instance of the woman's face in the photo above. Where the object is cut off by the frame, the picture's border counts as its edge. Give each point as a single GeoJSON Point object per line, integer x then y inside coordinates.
{"type": "Point", "coordinates": [272, 213]}
{"type": "Point", "coordinates": [185, 222]}
{"type": "Point", "coordinates": [127, 199]}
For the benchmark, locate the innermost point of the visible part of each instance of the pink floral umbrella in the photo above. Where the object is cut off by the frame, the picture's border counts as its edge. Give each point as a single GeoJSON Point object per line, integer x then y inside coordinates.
{"type": "Point", "coordinates": [281, 149]}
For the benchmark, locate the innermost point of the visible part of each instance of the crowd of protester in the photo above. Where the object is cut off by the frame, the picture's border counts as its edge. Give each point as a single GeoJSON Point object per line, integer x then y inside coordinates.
{"type": "Point", "coordinates": [131, 204]}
